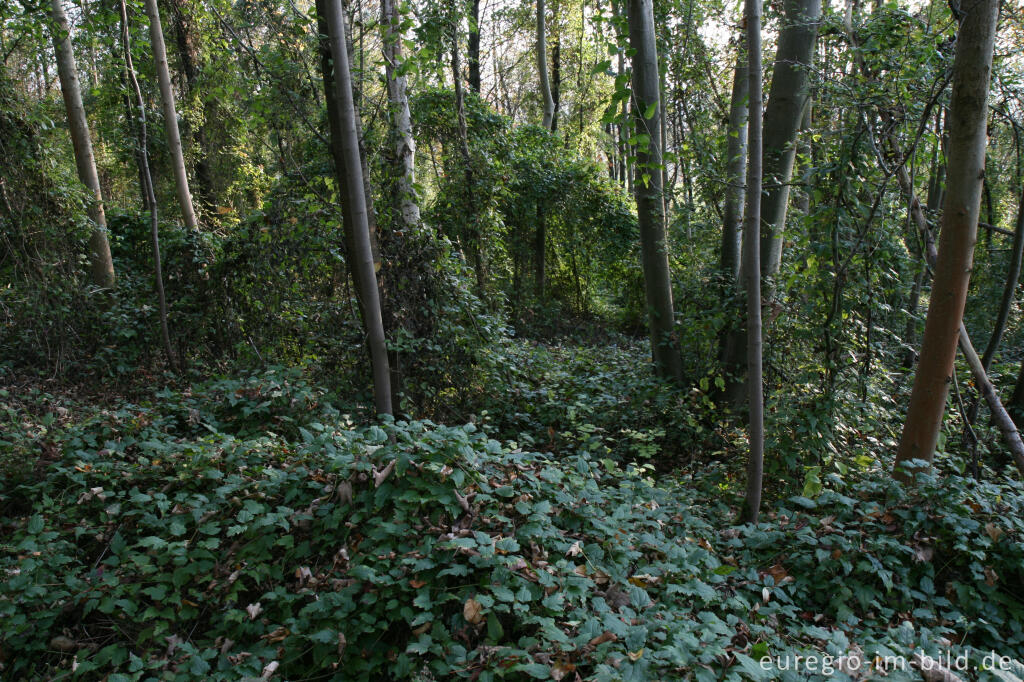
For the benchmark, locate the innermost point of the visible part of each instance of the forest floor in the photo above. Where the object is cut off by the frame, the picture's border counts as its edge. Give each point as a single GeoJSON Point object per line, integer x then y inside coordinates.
{"type": "Point", "coordinates": [582, 526]}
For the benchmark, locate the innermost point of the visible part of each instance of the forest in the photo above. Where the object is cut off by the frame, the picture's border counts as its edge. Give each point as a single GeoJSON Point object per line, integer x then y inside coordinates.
{"type": "Point", "coordinates": [511, 339]}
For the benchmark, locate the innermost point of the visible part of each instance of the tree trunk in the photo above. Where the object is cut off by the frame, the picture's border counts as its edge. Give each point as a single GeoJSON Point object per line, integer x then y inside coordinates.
{"type": "Point", "coordinates": [353, 192]}
{"type": "Point", "coordinates": [473, 54]}
{"type": "Point", "coordinates": [101, 265]}
{"type": "Point", "coordinates": [648, 190]}
{"type": "Point", "coordinates": [751, 271]}
{"type": "Point", "coordinates": [736, 162]}
{"type": "Point", "coordinates": [188, 51]}
{"type": "Point", "coordinates": [473, 237]}
{"type": "Point", "coordinates": [156, 36]}
{"type": "Point", "coordinates": [787, 100]}
{"type": "Point", "coordinates": [547, 103]}
{"type": "Point", "coordinates": [407, 208]}
{"type": "Point", "coordinates": [142, 159]}
{"type": "Point", "coordinates": [1012, 279]}
{"type": "Point", "coordinates": [556, 67]}
{"type": "Point", "coordinates": [999, 414]}
{"type": "Point", "coordinates": [966, 163]}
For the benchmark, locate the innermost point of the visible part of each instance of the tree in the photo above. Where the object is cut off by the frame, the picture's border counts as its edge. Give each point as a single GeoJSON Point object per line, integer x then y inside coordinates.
{"type": "Point", "coordinates": [736, 162]}
{"type": "Point", "coordinates": [547, 102]}
{"type": "Point", "coordinates": [473, 53]}
{"type": "Point", "coordinates": [156, 37]}
{"type": "Point", "coordinates": [361, 255]}
{"type": "Point", "coordinates": [146, 178]}
{"type": "Point", "coordinates": [968, 109]}
{"type": "Point", "coordinates": [752, 271]}
{"type": "Point", "coordinates": [788, 98]}
{"type": "Point", "coordinates": [101, 263]}
{"type": "Point", "coordinates": [648, 191]}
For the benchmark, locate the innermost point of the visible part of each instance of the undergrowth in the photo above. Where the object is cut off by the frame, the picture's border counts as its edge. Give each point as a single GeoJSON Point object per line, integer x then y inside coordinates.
{"type": "Point", "coordinates": [247, 528]}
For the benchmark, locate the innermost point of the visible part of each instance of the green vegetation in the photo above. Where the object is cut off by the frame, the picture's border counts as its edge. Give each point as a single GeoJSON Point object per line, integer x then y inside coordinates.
{"type": "Point", "coordinates": [371, 340]}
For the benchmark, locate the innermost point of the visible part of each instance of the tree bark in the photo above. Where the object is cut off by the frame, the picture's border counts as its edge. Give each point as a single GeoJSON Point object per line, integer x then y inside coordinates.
{"type": "Point", "coordinates": [473, 53]}
{"type": "Point", "coordinates": [407, 208]}
{"type": "Point", "coordinates": [146, 176]}
{"type": "Point", "coordinates": [999, 414]}
{"type": "Point", "coordinates": [1012, 279]}
{"type": "Point", "coordinates": [648, 191]}
{"type": "Point", "coordinates": [473, 237]}
{"type": "Point", "coordinates": [156, 36]}
{"type": "Point", "coordinates": [966, 162]}
{"type": "Point", "coordinates": [751, 271]}
{"type": "Point", "coordinates": [736, 163]}
{"type": "Point", "coordinates": [547, 102]}
{"type": "Point", "coordinates": [788, 97]}
{"type": "Point", "coordinates": [101, 264]}
{"type": "Point", "coordinates": [353, 192]}
{"type": "Point", "coordinates": [188, 51]}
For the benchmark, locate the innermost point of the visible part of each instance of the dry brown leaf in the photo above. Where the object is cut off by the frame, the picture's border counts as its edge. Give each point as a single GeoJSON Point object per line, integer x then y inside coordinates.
{"type": "Point", "coordinates": [635, 655]}
{"type": "Point", "coordinates": [778, 573]}
{"type": "Point", "coordinates": [606, 636]}
{"type": "Point", "coordinates": [472, 611]}
{"type": "Point", "coordinates": [994, 531]}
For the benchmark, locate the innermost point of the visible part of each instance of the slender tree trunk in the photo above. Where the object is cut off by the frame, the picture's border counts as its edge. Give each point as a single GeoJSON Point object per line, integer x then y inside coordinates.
{"type": "Point", "coordinates": [736, 163]}
{"type": "Point", "coordinates": [101, 265]}
{"type": "Point", "coordinates": [142, 159]}
{"type": "Point", "coordinates": [361, 257]}
{"type": "Point", "coordinates": [1016, 407]}
{"type": "Point", "coordinates": [648, 191]}
{"type": "Point", "coordinates": [188, 51]}
{"type": "Point", "coordinates": [547, 102]}
{"type": "Point", "coordinates": [972, 69]}
{"type": "Point", "coordinates": [473, 54]}
{"type": "Point", "coordinates": [787, 99]}
{"type": "Point", "coordinates": [733, 338]}
{"type": "Point", "coordinates": [999, 414]}
{"type": "Point", "coordinates": [156, 36]}
{"type": "Point", "coordinates": [474, 245]}
{"type": "Point", "coordinates": [1012, 279]}
{"type": "Point", "coordinates": [407, 208]}
{"type": "Point", "coordinates": [556, 67]}
{"type": "Point", "coordinates": [751, 271]}
{"type": "Point", "coordinates": [539, 249]}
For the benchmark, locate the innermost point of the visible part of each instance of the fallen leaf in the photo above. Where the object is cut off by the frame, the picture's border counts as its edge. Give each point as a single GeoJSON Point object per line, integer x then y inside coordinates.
{"type": "Point", "coordinates": [606, 636]}
{"type": "Point", "coordinates": [472, 611]}
{"type": "Point", "coordinates": [994, 531]}
{"type": "Point", "coordinates": [635, 655]}
{"type": "Point", "coordinates": [778, 573]}
{"type": "Point", "coordinates": [254, 610]}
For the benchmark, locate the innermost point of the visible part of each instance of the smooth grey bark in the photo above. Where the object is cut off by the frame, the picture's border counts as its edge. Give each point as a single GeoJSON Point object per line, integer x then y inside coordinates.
{"type": "Point", "coordinates": [188, 51]}
{"type": "Point", "coordinates": [146, 176]}
{"type": "Point", "coordinates": [751, 272]}
{"type": "Point", "coordinates": [407, 207]}
{"type": "Point", "coordinates": [353, 193]}
{"type": "Point", "coordinates": [972, 69]}
{"type": "Point", "coordinates": [648, 191]}
{"type": "Point", "coordinates": [788, 97]}
{"type": "Point", "coordinates": [547, 102]}
{"type": "Point", "coordinates": [101, 265]}
{"type": "Point", "coordinates": [156, 38]}
{"type": "Point", "coordinates": [736, 163]}
{"type": "Point", "coordinates": [733, 339]}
